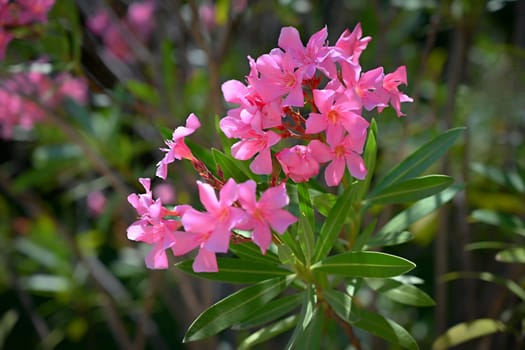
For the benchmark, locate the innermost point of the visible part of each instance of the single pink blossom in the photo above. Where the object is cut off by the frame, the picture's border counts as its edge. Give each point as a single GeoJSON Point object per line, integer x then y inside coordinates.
{"type": "Point", "coordinates": [391, 83]}
{"type": "Point", "coordinates": [220, 218]}
{"type": "Point", "coordinates": [177, 148]}
{"type": "Point", "coordinates": [337, 111]}
{"type": "Point", "coordinates": [152, 228]}
{"type": "Point", "coordinates": [256, 142]}
{"type": "Point", "coordinates": [140, 18]}
{"type": "Point", "coordinates": [298, 163]}
{"type": "Point", "coordinates": [342, 150]}
{"type": "Point", "coordinates": [352, 44]}
{"type": "Point", "coordinates": [265, 213]}
{"type": "Point", "coordinates": [96, 202]}
{"type": "Point", "coordinates": [369, 88]}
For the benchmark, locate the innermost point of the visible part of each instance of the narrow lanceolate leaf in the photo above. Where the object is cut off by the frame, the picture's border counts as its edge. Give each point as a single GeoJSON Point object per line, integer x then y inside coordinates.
{"type": "Point", "coordinates": [417, 211]}
{"type": "Point", "coordinates": [400, 292]}
{"type": "Point", "coordinates": [249, 251]}
{"type": "Point", "coordinates": [305, 229]}
{"type": "Point", "coordinates": [388, 239]}
{"type": "Point", "coordinates": [504, 177]}
{"type": "Point", "coordinates": [384, 328]}
{"type": "Point", "coordinates": [269, 332]}
{"type": "Point", "coordinates": [237, 271]}
{"type": "Point", "coordinates": [512, 255]}
{"type": "Point", "coordinates": [411, 190]}
{"type": "Point", "coordinates": [341, 303]}
{"type": "Point", "coordinates": [234, 308]}
{"type": "Point", "coordinates": [489, 277]}
{"type": "Point", "coordinates": [334, 223]}
{"type": "Point", "coordinates": [270, 312]}
{"type": "Point", "coordinates": [506, 221]}
{"type": "Point", "coordinates": [415, 164]}
{"type": "Point", "coordinates": [364, 264]}
{"type": "Point", "coordinates": [311, 337]}
{"type": "Point", "coordinates": [305, 317]}
{"type": "Point", "coordinates": [231, 167]}
{"type": "Point", "coordinates": [370, 157]}
{"type": "Point", "coordinates": [466, 331]}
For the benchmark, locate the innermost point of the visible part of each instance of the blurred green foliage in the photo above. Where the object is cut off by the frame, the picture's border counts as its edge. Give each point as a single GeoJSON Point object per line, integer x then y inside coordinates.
{"type": "Point", "coordinates": [70, 278]}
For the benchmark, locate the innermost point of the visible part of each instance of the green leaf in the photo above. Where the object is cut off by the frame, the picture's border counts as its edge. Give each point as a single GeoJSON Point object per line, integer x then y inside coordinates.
{"type": "Point", "coordinates": [466, 331]}
{"type": "Point", "coordinates": [249, 251]}
{"type": "Point", "coordinates": [79, 114]}
{"type": "Point", "coordinates": [417, 211]}
{"type": "Point", "coordinates": [506, 221]}
{"type": "Point", "coordinates": [305, 317]}
{"type": "Point", "coordinates": [311, 337]}
{"type": "Point", "coordinates": [201, 153]}
{"type": "Point", "coordinates": [383, 328]}
{"type": "Point", "coordinates": [323, 201]}
{"type": "Point", "coordinates": [236, 271]}
{"type": "Point", "coordinates": [269, 332]}
{"type": "Point", "coordinates": [411, 190]}
{"type": "Point", "coordinates": [7, 323]}
{"type": "Point", "coordinates": [400, 292]}
{"type": "Point", "coordinates": [364, 236]}
{"type": "Point", "coordinates": [364, 264]}
{"type": "Point", "coordinates": [305, 233]}
{"type": "Point", "coordinates": [143, 91]}
{"type": "Point", "coordinates": [273, 310]}
{"type": "Point", "coordinates": [370, 157]}
{"type": "Point", "coordinates": [333, 223]}
{"type": "Point", "coordinates": [488, 277]}
{"type": "Point", "coordinates": [508, 178]}
{"type": "Point", "coordinates": [512, 255]}
{"type": "Point", "coordinates": [419, 160]}
{"type": "Point", "coordinates": [388, 239]}
{"type": "Point", "coordinates": [234, 308]}
{"type": "Point", "coordinates": [231, 167]}
{"type": "Point", "coordinates": [341, 303]}
{"type": "Point", "coordinates": [486, 245]}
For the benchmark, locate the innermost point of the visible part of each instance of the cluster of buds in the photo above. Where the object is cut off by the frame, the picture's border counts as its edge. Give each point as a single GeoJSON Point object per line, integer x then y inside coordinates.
{"type": "Point", "coordinates": [18, 13]}
{"type": "Point", "coordinates": [25, 97]}
{"type": "Point", "coordinates": [113, 32]}
{"type": "Point", "coordinates": [283, 100]}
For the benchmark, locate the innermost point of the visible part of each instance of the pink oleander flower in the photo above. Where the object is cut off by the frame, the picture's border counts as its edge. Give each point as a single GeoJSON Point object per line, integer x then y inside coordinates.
{"type": "Point", "coordinates": [207, 13]}
{"type": "Point", "coordinates": [265, 213]}
{"type": "Point", "coordinates": [369, 88]}
{"type": "Point", "coordinates": [96, 202]}
{"type": "Point", "coordinates": [340, 151]}
{"type": "Point", "coordinates": [310, 57]}
{"type": "Point", "coordinates": [140, 18]}
{"type": "Point", "coordinates": [35, 10]}
{"type": "Point", "coordinates": [177, 148]}
{"type": "Point", "coordinates": [351, 44]}
{"type": "Point", "coordinates": [390, 85]}
{"type": "Point", "coordinates": [152, 227]}
{"type": "Point", "coordinates": [298, 163]}
{"type": "Point", "coordinates": [165, 192]}
{"type": "Point", "coordinates": [256, 142]}
{"type": "Point", "coordinates": [337, 111]}
{"type": "Point", "coordinates": [217, 223]}
{"type": "Point", "coordinates": [279, 77]}
{"type": "Point", "coordinates": [99, 22]}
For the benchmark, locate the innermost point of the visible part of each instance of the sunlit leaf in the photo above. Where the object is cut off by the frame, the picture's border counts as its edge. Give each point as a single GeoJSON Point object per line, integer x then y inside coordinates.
{"type": "Point", "coordinates": [392, 238]}
{"type": "Point", "coordinates": [341, 303]}
{"type": "Point", "coordinates": [466, 331]}
{"type": "Point", "coordinates": [311, 337]}
{"type": "Point", "coordinates": [269, 332]}
{"type": "Point", "coordinates": [512, 255]}
{"type": "Point", "coordinates": [416, 163]}
{"type": "Point", "coordinates": [307, 313]}
{"type": "Point", "coordinates": [233, 309]}
{"type": "Point", "coordinates": [504, 177]}
{"type": "Point", "coordinates": [504, 221]}
{"type": "Point", "coordinates": [488, 277]}
{"type": "Point", "coordinates": [400, 292]}
{"type": "Point", "coordinates": [411, 190]}
{"type": "Point", "coordinates": [250, 251]}
{"type": "Point", "coordinates": [364, 264]}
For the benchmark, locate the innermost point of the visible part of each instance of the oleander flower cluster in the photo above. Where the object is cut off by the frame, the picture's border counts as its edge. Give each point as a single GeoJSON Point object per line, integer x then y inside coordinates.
{"type": "Point", "coordinates": [300, 105]}
{"type": "Point", "coordinates": [20, 13]}
{"type": "Point", "coordinates": [27, 96]}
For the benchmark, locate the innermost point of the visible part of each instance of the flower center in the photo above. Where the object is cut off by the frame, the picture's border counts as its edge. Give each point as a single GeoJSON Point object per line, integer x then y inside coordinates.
{"type": "Point", "coordinates": [333, 116]}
